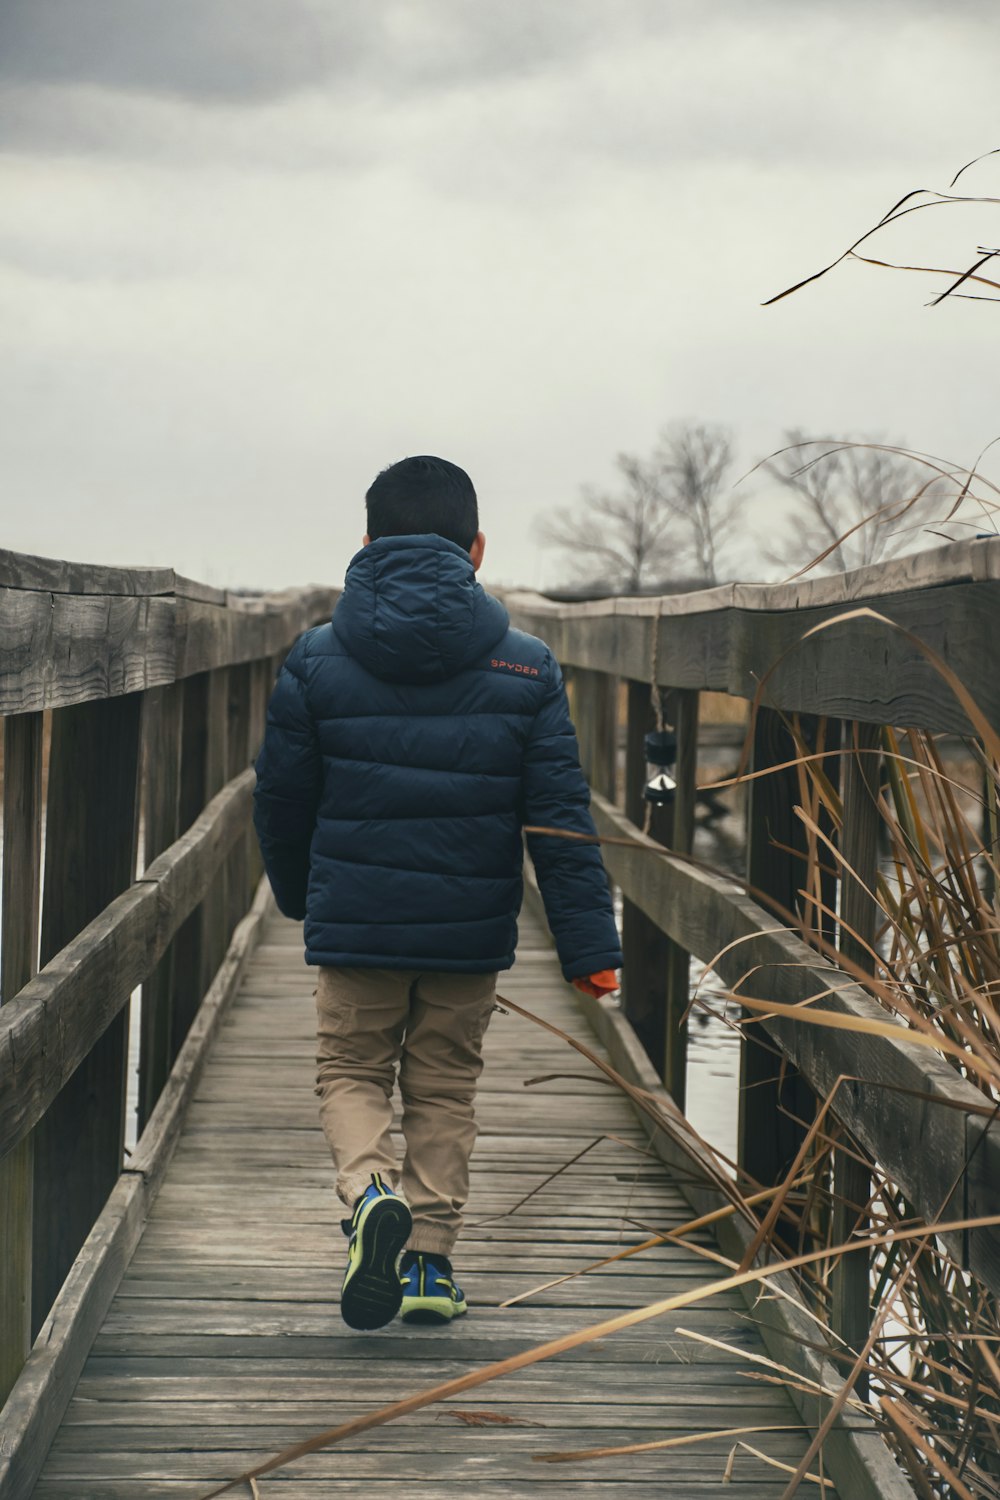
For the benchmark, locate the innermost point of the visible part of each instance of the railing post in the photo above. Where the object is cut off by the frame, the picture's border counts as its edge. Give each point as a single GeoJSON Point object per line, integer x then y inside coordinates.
{"type": "Point", "coordinates": [684, 707]}
{"type": "Point", "coordinates": [238, 887]}
{"type": "Point", "coordinates": [851, 1311]}
{"type": "Point", "coordinates": [215, 906]}
{"type": "Point", "coordinates": [161, 734]}
{"type": "Point", "coordinates": [22, 826]}
{"type": "Point", "coordinates": [188, 942]}
{"type": "Point", "coordinates": [776, 1105]}
{"type": "Point", "coordinates": [595, 718]}
{"type": "Point", "coordinates": [90, 850]}
{"type": "Point", "coordinates": [645, 948]}
{"type": "Point", "coordinates": [261, 683]}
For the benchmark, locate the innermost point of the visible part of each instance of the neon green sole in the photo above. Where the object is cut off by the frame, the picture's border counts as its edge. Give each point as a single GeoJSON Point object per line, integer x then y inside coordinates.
{"type": "Point", "coordinates": [432, 1309]}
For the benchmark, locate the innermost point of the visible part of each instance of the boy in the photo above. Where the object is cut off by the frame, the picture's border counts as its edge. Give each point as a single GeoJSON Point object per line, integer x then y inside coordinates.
{"type": "Point", "coordinates": [408, 742]}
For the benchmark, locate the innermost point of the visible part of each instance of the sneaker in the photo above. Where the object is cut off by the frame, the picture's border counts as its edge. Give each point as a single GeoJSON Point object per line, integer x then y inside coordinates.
{"type": "Point", "coordinates": [429, 1292]}
{"type": "Point", "coordinates": [379, 1228]}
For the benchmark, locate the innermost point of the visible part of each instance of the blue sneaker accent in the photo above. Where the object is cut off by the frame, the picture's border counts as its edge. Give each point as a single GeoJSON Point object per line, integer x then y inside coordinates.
{"type": "Point", "coordinates": [430, 1294]}
{"type": "Point", "coordinates": [379, 1228]}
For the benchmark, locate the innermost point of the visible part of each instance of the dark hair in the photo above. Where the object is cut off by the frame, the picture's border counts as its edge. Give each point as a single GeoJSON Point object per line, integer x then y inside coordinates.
{"type": "Point", "coordinates": [424, 494]}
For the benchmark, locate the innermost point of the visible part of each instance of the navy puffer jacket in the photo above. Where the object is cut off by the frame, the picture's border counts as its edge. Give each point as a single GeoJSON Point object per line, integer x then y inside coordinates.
{"type": "Point", "coordinates": [407, 743]}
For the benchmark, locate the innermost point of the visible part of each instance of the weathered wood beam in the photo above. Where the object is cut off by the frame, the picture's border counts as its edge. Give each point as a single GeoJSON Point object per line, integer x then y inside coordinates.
{"type": "Point", "coordinates": [161, 730]}
{"type": "Point", "coordinates": [862, 670]}
{"type": "Point", "coordinates": [646, 950]}
{"type": "Point", "coordinates": [19, 912]}
{"type": "Point", "coordinates": [39, 1399]}
{"type": "Point", "coordinates": [901, 1101]}
{"type": "Point", "coordinates": [850, 1314]}
{"type": "Point", "coordinates": [47, 1031]}
{"type": "Point", "coordinates": [684, 709]}
{"type": "Point", "coordinates": [59, 647]}
{"type": "Point", "coordinates": [91, 832]}
{"type": "Point", "coordinates": [776, 1106]}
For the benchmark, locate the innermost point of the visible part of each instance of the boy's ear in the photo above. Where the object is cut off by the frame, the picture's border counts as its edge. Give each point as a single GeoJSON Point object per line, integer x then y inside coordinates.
{"type": "Point", "coordinates": [477, 550]}
{"type": "Point", "coordinates": [366, 540]}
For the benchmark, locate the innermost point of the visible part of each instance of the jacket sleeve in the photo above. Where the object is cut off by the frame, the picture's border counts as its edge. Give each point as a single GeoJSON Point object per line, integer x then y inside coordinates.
{"type": "Point", "coordinates": [289, 777]}
{"type": "Point", "coordinates": [571, 875]}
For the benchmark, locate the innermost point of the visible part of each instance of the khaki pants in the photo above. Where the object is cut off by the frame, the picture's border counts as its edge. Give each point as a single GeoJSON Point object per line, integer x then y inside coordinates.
{"type": "Point", "coordinates": [432, 1026]}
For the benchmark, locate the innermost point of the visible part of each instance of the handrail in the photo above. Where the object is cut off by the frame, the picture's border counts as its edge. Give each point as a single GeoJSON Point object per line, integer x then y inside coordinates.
{"type": "Point", "coordinates": [728, 639]}
{"type": "Point", "coordinates": [72, 633]}
{"type": "Point", "coordinates": [932, 1130]}
{"type": "Point", "coordinates": [51, 1025]}
{"type": "Point", "coordinates": [136, 698]}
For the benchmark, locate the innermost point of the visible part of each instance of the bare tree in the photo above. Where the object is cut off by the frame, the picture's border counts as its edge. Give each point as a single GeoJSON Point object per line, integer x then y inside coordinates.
{"type": "Point", "coordinates": [620, 538]}
{"type": "Point", "coordinates": [861, 501]}
{"type": "Point", "coordinates": [693, 463]}
{"type": "Point", "coordinates": [666, 520]}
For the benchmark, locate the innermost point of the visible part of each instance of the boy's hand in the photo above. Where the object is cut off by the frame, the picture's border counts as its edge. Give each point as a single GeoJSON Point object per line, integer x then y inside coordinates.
{"type": "Point", "coordinates": [602, 983]}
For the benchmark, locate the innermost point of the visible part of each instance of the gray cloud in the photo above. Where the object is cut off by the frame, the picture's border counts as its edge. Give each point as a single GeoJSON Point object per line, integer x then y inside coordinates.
{"type": "Point", "coordinates": [256, 50]}
{"type": "Point", "coordinates": [199, 49]}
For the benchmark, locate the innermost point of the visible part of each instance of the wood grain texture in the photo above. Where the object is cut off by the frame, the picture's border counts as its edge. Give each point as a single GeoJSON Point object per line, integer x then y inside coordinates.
{"type": "Point", "coordinates": [645, 948]}
{"type": "Point", "coordinates": [850, 1312]}
{"type": "Point", "coordinates": [161, 728]}
{"type": "Point", "coordinates": [594, 705]}
{"type": "Point", "coordinates": [39, 1399]}
{"type": "Point", "coordinates": [854, 1454]}
{"type": "Point", "coordinates": [65, 640]}
{"type": "Point", "coordinates": [861, 670]}
{"type": "Point", "coordinates": [19, 914]}
{"type": "Point", "coordinates": [773, 1097]}
{"type": "Point", "coordinates": [48, 1029]}
{"type": "Point", "coordinates": [905, 1105]}
{"type": "Point", "coordinates": [227, 1315]}
{"type": "Point", "coordinates": [53, 575]}
{"type": "Point", "coordinates": [684, 712]}
{"type": "Point", "coordinates": [957, 562]}
{"type": "Point", "coordinates": [92, 824]}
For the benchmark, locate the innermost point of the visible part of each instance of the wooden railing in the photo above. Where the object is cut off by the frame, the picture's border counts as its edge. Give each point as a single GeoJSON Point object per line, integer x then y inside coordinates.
{"type": "Point", "coordinates": [928, 1126]}
{"type": "Point", "coordinates": [133, 703]}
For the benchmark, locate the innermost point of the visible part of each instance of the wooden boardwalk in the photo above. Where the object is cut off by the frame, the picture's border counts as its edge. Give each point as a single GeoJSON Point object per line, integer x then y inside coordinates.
{"type": "Point", "coordinates": [224, 1343]}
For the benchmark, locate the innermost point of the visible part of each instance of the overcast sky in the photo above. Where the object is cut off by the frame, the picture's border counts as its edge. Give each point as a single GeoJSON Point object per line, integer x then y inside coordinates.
{"type": "Point", "coordinates": [251, 251]}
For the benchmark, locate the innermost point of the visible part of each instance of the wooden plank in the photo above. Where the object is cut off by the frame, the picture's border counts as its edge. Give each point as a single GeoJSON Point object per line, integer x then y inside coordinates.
{"type": "Point", "coordinates": [982, 1249]}
{"type": "Point", "coordinates": [19, 913]}
{"type": "Point", "coordinates": [645, 949]}
{"type": "Point", "coordinates": [63, 649]}
{"type": "Point", "coordinates": [862, 670]}
{"type": "Point", "coordinates": [443, 1487]}
{"type": "Point", "coordinates": [957, 562]}
{"type": "Point", "coordinates": [684, 710]}
{"type": "Point", "coordinates": [854, 1453]}
{"type": "Point", "coordinates": [47, 1030]}
{"type": "Point", "coordinates": [59, 647]}
{"type": "Point", "coordinates": [46, 1384]}
{"type": "Point", "coordinates": [595, 718]}
{"type": "Point", "coordinates": [90, 852]}
{"type": "Point", "coordinates": [908, 1108]}
{"type": "Point", "coordinates": [776, 1105]}
{"type": "Point", "coordinates": [53, 575]}
{"type": "Point", "coordinates": [850, 1314]}
{"type": "Point", "coordinates": [189, 1326]}
{"type": "Point", "coordinates": [212, 912]}
{"type": "Point", "coordinates": [188, 948]}
{"type": "Point", "coordinates": [238, 887]}
{"type": "Point", "coordinates": [162, 719]}
{"type": "Point", "coordinates": [210, 637]}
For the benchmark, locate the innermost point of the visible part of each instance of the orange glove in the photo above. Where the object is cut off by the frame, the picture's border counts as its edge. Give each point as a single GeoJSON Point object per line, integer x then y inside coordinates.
{"type": "Point", "coordinates": [599, 984]}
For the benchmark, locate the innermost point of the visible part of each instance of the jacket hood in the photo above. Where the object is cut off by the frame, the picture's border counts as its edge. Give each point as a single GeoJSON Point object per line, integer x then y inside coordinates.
{"type": "Point", "coordinates": [412, 611]}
